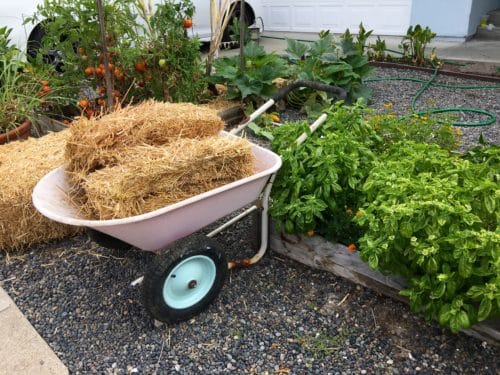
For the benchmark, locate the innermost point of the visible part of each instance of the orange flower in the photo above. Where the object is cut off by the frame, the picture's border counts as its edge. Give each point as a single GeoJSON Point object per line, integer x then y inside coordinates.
{"type": "Point", "coordinates": [310, 233]}
{"type": "Point", "coordinates": [351, 248]}
{"type": "Point", "coordinates": [358, 213]}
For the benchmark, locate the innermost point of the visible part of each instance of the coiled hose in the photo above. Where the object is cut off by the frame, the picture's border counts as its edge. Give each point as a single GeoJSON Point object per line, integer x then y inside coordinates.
{"type": "Point", "coordinates": [491, 117]}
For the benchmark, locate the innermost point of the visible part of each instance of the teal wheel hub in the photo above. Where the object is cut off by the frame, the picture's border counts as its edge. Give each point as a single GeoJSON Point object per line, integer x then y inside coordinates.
{"type": "Point", "coordinates": [189, 282]}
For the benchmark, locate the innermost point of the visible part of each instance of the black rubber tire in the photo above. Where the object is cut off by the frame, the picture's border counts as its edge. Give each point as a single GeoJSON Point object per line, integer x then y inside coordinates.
{"type": "Point", "coordinates": [34, 44]}
{"type": "Point", "coordinates": [105, 240]}
{"type": "Point", "coordinates": [163, 264]}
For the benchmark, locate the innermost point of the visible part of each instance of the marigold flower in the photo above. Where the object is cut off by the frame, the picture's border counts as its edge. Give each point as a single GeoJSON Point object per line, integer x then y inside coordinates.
{"type": "Point", "coordinates": [310, 233]}
{"type": "Point", "coordinates": [351, 248]}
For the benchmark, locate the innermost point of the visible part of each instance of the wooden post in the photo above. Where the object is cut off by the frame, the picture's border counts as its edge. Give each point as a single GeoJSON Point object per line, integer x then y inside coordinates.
{"type": "Point", "coordinates": [242, 35]}
{"type": "Point", "coordinates": [104, 51]}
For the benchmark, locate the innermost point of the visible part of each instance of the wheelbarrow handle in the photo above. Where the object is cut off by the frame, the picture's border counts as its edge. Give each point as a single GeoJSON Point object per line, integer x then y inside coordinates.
{"type": "Point", "coordinates": [340, 92]}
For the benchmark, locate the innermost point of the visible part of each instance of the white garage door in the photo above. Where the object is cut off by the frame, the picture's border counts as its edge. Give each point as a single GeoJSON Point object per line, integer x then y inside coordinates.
{"type": "Point", "coordinates": [385, 17]}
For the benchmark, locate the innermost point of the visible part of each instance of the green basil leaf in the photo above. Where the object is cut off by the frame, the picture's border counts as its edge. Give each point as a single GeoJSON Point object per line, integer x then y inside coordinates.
{"type": "Point", "coordinates": [489, 203]}
{"type": "Point", "coordinates": [444, 314]}
{"type": "Point", "coordinates": [464, 319]}
{"type": "Point", "coordinates": [438, 291]}
{"type": "Point", "coordinates": [373, 261]}
{"type": "Point", "coordinates": [484, 309]}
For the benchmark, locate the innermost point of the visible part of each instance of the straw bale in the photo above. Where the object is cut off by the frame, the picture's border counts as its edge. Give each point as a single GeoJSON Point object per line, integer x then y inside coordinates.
{"type": "Point", "coordinates": [151, 177]}
{"type": "Point", "coordinates": [96, 143]}
{"type": "Point", "coordinates": [22, 164]}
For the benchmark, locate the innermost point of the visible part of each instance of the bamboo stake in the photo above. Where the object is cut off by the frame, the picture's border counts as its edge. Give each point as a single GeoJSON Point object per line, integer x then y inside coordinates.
{"type": "Point", "coordinates": [104, 51]}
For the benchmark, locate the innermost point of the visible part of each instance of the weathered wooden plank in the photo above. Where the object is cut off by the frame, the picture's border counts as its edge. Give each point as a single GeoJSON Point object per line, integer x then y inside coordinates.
{"type": "Point", "coordinates": [321, 254]}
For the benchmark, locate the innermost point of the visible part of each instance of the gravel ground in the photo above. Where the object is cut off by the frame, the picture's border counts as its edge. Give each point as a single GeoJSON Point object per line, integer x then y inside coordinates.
{"type": "Point", "coordinates": [400, 94]}
{"type": "Point", "coordinates": [278, 317]}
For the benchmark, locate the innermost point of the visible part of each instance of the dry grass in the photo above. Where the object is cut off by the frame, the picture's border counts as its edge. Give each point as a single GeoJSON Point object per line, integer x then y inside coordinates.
{"type": "Point", "coordinates": [97, 143]}
{"type": "Point", "coordinates": [22, 164]}
{"type": "Point", "coordinates": [151, 177]}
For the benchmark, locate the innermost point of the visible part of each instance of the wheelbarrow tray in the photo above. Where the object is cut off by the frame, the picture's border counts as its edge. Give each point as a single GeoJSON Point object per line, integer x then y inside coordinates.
{"type": "Point", "coordinates": [156, 229]}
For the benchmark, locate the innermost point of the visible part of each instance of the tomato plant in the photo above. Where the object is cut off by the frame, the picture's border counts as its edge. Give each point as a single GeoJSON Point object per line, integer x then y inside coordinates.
{"type": "Point", "coordinates": [138, 38]}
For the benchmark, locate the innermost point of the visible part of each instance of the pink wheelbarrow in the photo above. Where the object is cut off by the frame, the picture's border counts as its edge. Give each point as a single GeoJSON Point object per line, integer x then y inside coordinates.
{"type": "Point", "coordinates": [186, 277]}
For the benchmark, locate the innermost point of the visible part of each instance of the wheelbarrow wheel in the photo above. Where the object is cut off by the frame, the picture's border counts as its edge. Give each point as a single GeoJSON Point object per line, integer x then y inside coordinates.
{"type": "Point", "coordinates": [184, 280]}
{"type": "Point", "coordinates": [107, 241]}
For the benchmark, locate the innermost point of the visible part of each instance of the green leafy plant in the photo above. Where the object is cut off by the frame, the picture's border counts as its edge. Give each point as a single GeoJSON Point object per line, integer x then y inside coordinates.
{"type": "Point", "coordinates": [339, 63]}
{"type": "Point", "coordinates": [377, 50]}
{"type": "Point", "coordinates": [141, 44]}
{"type": "Point", "coordinates": [315, 189]}
{"type": "Point", "coordinates": [256, 81]}
{"type": "Point", "coordinates": [234, 31]}
{"type": "Point", "coordinates": [7, 50]}
{"type": "Point", "coordinates": [433, 218]}
{"type": "Point", "coordinates": [319, 187]}
{"type": "Point", "coordinates": [414, 43]}
{"type": "Point", "coordinates": [360, 41]}
{"type": "Point", "coordinates": [23, 90]}
{"type": "Point", "coordinates": [173, 58]}
{"type": "Point", "coordinates": [18, 95]}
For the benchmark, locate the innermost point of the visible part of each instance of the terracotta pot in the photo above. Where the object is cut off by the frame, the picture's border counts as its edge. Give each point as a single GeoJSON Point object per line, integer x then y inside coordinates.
{"type": "Point", "coordinates": [23, 131]}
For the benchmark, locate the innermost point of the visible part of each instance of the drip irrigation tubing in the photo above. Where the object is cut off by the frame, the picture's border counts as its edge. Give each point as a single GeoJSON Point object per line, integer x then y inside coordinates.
{"type": "Point", "coordinates": [491, 117]}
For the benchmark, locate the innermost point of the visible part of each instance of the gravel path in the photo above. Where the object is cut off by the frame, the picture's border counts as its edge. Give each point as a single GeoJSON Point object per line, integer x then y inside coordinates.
{"type": "Point", "coordinates": [278, 317]}
{"type": "Point", "coordinates": [400, 94]}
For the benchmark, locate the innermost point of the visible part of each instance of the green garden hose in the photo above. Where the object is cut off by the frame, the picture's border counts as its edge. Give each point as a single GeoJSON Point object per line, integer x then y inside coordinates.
{"type": "Point", "coordinates": [492, 118]}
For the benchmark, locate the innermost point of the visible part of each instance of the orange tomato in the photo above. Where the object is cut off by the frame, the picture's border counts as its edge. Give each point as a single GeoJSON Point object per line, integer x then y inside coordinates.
{"type": "Point", "coordinates": [44, 83]}
{"type": "Point", "coordinates": [351, 248]}
{"type": "Point", "coordinates": [99, 71]}
{"type": "Point", "coordinates": [140, 66]}
{"type": "Point", "coordinates": [187, 23]}
{"type": "Point", "coordinates": [84, 103]}
{"type": "Point", "coordinates": [89, 70]}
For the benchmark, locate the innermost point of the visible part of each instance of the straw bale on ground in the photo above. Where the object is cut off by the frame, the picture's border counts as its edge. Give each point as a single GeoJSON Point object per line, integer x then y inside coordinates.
{"type": "Point", "coordinates": [96, 143]}
{"type": "Point", "coordinates": [22, 164]}
{"type": "Point", "coordinates": [150, 177]}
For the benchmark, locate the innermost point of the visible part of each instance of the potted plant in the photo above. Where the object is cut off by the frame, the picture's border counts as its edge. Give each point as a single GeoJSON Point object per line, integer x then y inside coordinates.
{"type": "Point", "coordinates": [20, 92]}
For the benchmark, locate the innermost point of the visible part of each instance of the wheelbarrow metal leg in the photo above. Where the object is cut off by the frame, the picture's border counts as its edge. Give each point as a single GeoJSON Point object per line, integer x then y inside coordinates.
{"type": "Point", "coordinates": [264, 232]}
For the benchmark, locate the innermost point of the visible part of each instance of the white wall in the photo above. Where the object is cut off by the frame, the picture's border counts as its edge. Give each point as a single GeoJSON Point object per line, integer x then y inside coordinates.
{"type": "Point", "coordinates": [385, 17]}
{"type": "Point", "coordinates": [447, 18]}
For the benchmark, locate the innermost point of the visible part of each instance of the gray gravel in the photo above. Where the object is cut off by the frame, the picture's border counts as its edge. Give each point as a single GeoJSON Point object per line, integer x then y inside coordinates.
{"type": "Point", "coordinates": [400, 94]}
{"type": "Point", "coordinates": [278, 317]}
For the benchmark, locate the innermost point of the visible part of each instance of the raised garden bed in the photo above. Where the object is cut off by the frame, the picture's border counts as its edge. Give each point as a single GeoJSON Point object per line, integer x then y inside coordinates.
{"type": "Point", "coordinates": [321, 254]}
{"type": "Point", "coordinates": [447, 69]}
